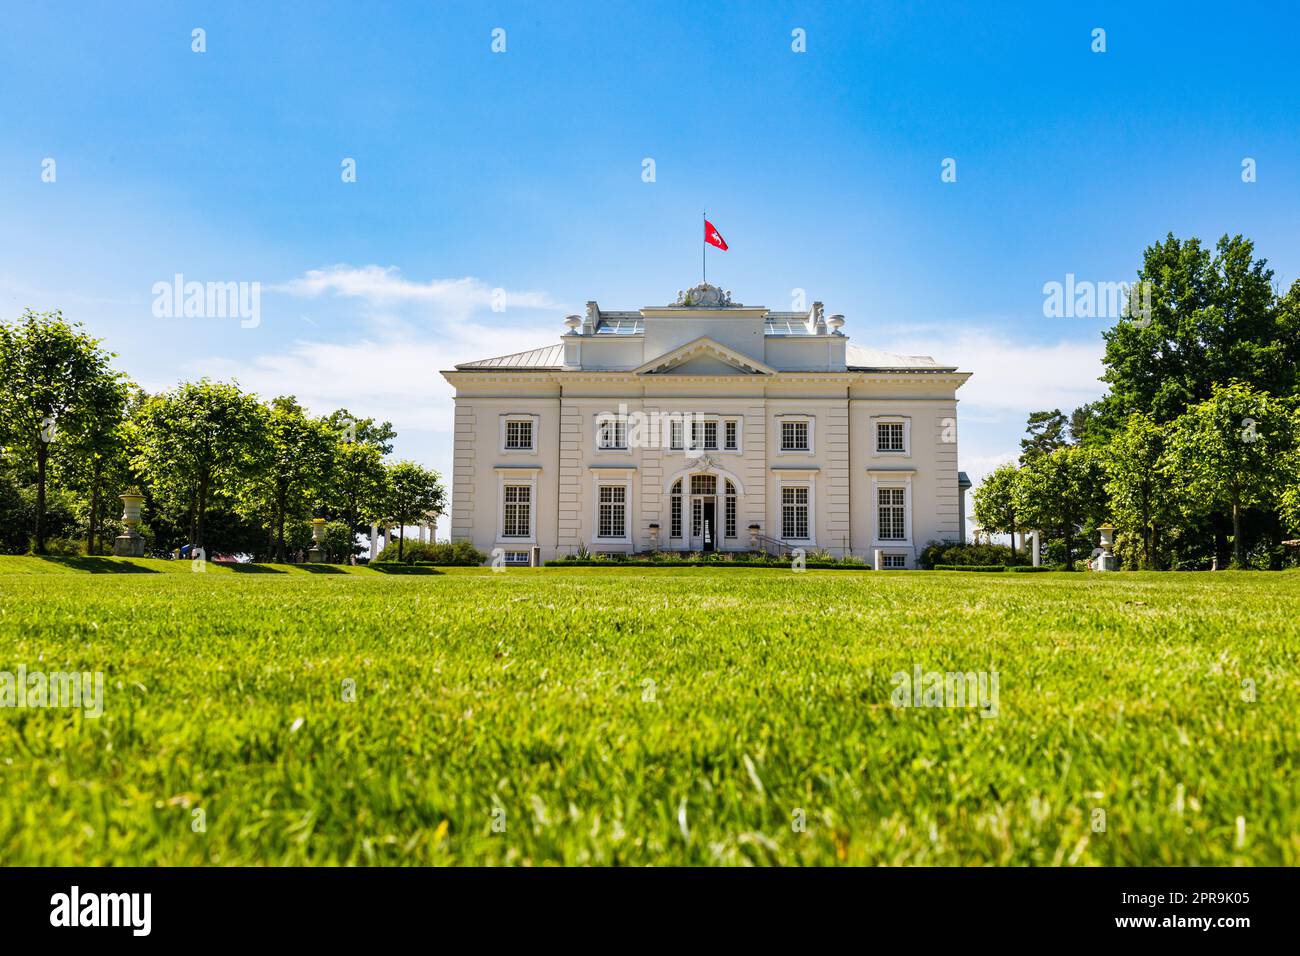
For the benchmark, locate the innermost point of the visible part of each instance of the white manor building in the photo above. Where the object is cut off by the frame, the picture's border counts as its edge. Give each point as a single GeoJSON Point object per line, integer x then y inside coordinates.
{"type": "Point", "coordinates": [706, 425]}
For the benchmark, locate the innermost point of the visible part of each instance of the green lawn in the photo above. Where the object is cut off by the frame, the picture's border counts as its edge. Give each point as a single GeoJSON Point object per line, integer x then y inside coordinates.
{"type": "Point", "coordinates": [521, 698]}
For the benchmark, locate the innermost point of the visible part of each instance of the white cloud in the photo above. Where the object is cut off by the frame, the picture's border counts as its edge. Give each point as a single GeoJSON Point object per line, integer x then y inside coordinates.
{"type": "Point", "coordinates": [1011, 377]}
{"type": "Point", "coordinates": [383, 287]}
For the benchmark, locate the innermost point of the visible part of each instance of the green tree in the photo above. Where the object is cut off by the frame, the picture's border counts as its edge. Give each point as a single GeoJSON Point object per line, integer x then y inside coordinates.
{"type": "Point", "coordinates": [1140, 498]}
{"type": "Point", "coordinates": [1046, 432]}
{"type": "Point", "coordinates": [1063, 491]}
{"type": "Point", "coordinates": [54, 380]}
{"type": "Point", "coordinates": [357, 488]}
{"type": "Point", "coordinates": [413, 491]}
{"type": "Point", "coordinates": [1212, 318]}
{"type": "Point", "coordinates": [1232, 452]}
{"type": "Point", "coordinates": [197, 443]}
{"type": "Point", "coordinates": [294, 467]}
{"type": "Point", "coordinates": [995, 502]}
{"type": "Point", "coordinates": [92, 462]}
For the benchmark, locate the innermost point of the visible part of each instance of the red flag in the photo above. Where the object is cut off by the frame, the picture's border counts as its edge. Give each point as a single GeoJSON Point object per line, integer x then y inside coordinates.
{"type": "Point", "coordinates": [713, 237]}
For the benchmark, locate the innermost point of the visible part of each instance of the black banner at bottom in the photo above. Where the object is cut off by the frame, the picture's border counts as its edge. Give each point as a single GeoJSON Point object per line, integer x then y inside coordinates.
{"type": "Point", "coordinates": [335, 906]}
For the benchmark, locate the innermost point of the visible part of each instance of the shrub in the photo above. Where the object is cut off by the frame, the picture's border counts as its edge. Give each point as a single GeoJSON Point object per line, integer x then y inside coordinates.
{"type": "Point", "coordinates": [974, 567]}
{"type": "Point", "coordinates": [447, 554]}
{"type": "Point", "coordinates": [65, 547]}
{"type": "Point", "coordinates": [955, 553]}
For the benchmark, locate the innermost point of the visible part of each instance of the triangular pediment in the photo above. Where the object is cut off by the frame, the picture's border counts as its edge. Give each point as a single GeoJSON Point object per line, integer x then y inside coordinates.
{"type": "Point", "coordinates": [704, 356]}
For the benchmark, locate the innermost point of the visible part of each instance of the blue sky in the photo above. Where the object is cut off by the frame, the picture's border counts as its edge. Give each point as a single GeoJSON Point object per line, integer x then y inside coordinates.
{"type": "Point", "coordinates": [522, 170]}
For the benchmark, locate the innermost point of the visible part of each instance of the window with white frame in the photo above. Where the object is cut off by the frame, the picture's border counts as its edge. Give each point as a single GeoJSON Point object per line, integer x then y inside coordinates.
{"type": "Point", "coordinates": [731, 435]}
{"type": "Point", "coordinates": [612, 515]}
{"type": "Point", "coordinates": [794, 435]}
{"type": "Point", "coordinates": [704, 434]}
{"type": "Point", "coordinates": [891, 510]}
{"type": "Point", "coordinates": [519, 434]}
{"type": "Point", "coordinates": [612, 433]}
{"type": "Point", "coordinates": [675, 510]}
{"type": "Point", "coordinates": [729, 512]}
{"type": "Point", "coordinates": [794, 513]}
{"type": "Point", "coordinates": [675, 434]}
{"type": "Point", "coordinates": [516, 557]}
{"type": "Point", "coordinates": [516, 514]}
{"type": "Point", "coordinates": [890, 437]}
{"type": "Point", "coordinates": [893, 560]}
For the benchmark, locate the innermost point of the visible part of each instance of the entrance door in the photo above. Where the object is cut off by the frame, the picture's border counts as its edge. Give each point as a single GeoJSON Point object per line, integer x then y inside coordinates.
{"type": "Point", "coordinates": [709, 525]}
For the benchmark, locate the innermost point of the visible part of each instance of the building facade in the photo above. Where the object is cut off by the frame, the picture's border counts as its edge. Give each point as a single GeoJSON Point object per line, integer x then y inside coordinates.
{"type": "Point", "coordinates": [706, 425]}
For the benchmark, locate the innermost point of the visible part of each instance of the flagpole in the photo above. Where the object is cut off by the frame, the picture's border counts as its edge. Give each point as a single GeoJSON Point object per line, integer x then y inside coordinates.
{"type": "Point", "coordinates": [704, 251]}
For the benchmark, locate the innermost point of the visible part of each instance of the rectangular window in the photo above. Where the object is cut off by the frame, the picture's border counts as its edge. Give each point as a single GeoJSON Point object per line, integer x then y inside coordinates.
{"type": "Point", "coordinates": [794, 436]}
{"type": "Point", "coordinates": [729, 516]}
{"type": "Point", "coordinates": [704, 435]}
{"type": "Point", "coordinates": [731, 435]}
{"type": "Point", "coordinates": [675, 514]}
{"type": "Point", "coordinates": [893, 561]}
{"type": "Point", "coordinates": [794, 513]}
{"type": "Point", "coordinates": [613, 511]}
{"type": "Point", "coordinates": [893, 524]}
{"type": "Point", "coordinates": [613, 433]}
{"type": "Point", "coordinates": [704, 485]}
{"type": "Point", "coordinates": [516, 518]}
{"type": "Point", "coordinates": [889, 436]}
{"type": "Point", "coordinates": [675, 434]}
{"type": "Point", "coordinates": [516, 557]}
{"type": "Point", "coordinates": [519, 434]}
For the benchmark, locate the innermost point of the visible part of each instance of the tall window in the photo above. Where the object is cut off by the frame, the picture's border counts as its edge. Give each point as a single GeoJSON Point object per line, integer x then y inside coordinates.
{"type": "Point", "coordinates": [613, 433]}
{"type": "Point", "coordinates": [613, 511]}
{"type": "Point", "coordinates": [675, 434]}
{"type": "Point", "coordinates": [794, 436]}
{"type": "Point", "coordinates": [892, 520]}
{"type": "Point", "coordinates": [889, 436]}
{"type": "Point", "coordinates": [516, 518]}
{"type": "Point", "coordinates": [519, 434]}
{"type": "Point", "coordinates": [729, 512]}
{"type": "Point", "coordinates": [794, 513]}
{"type": "Point", "coordinates": [731, 435]}
{"type": "Point", "coordinates": [675, 510]}
{"type": "Point", "coordinates": [701, 486]}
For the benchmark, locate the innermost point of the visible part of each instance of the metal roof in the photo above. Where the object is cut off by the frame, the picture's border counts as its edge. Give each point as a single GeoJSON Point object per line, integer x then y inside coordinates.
{"type": "Point", "coordinates": [862, 358]}
{"type": "Point", "coordinates": [547, 357]}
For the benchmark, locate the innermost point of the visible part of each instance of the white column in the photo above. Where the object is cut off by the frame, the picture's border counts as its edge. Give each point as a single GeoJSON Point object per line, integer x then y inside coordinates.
{"type": "Point", "coordinates": [374, 541]}
{"type": "Point", "coordinates": [1038, 558]}
{"type": "Point", "coordinates": [879, 559]}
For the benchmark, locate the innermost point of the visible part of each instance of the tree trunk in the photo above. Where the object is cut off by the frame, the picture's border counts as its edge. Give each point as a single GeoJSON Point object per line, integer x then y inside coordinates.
{"type": "Point", "coordinates": [1238, 546]}
{"type": "Point", "coordinates": [42, 454]}
{"type": "Point", "coordinates": [1069, 551]}
{"type": "Point", "coordinates": [279, 520]}
{"type": "Point", "coordinates": [94, 508]}
{"type": "Point", "coordinates": [1013, 540]}
{"type": "Point", "coordinates": [401, 540]}
{"type": "Point", "coordinates": [202, 507]}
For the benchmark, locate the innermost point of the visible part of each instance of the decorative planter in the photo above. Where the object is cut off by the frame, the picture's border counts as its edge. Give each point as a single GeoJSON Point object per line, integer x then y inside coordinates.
{"type": "Point", "coordinates": [316, 554]}
{"type": "Point", "coordinates": [130, 543]}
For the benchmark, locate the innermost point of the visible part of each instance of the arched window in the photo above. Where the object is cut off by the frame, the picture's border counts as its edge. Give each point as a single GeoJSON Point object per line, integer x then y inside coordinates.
{"type": "Point", "coordinates": [675, 510]}
{"type": "Point", "coordinates": [729, 512]}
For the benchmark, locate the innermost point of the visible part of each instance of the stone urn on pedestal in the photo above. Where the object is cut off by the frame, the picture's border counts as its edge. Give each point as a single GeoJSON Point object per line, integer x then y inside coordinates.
{"type": "Point", "coordinates": [1106, 560]}
{"type": "Point", "coordinates": [316, 553]}
{"type": "Point", "coordinates": [130, 543]}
